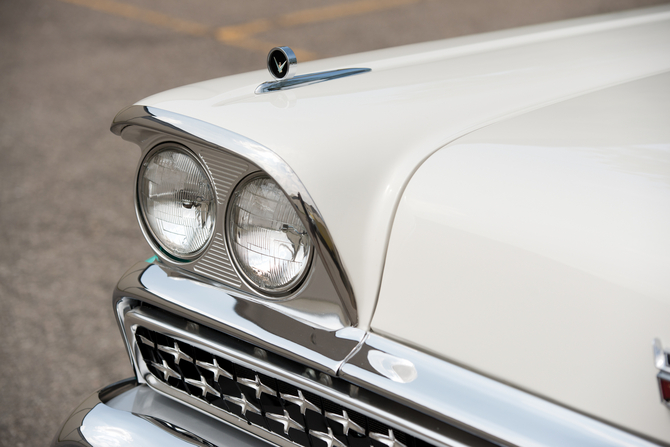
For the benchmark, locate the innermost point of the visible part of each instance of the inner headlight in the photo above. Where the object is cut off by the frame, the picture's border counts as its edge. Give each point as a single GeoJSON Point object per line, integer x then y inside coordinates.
{"type": "Point", "coordinates": [176, 201]}
{"type": "Point", "coordinates": [267, 238]}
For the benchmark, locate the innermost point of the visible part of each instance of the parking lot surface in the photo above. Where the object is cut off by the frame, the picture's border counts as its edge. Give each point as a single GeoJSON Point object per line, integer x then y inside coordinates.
{"type": "Point", "coordinates": [67, 225]}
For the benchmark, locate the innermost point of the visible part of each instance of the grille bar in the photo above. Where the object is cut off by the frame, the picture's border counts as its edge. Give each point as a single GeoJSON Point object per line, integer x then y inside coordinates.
{"type": "Point", "coordinates": [294, 414]}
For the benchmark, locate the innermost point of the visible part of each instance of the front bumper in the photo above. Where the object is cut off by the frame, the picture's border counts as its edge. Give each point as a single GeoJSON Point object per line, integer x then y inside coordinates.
{"type": "Point", "coordinates": [440, 403]}
{"type": "Point", "coordinates": [129, 414]}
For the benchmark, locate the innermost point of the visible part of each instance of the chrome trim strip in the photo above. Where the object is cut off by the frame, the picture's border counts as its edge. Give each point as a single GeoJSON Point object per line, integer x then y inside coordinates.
{"type": "Point", "coordinates": [121, 307]}
{"type": "Point", "coordinates": [308, 79]}
{"type": "Point", "coordinates": [148, 122]}
{"type": "Point", "coordinates": [662, 363]}
{"type": "Point", "coordinates": [661, 356]}
{"type": "Point", "coordinates": [264, 324]}
{"type": "Point", "coordinates": [372, 405]}
{"type": "Point", "coordinates": [482, 406]}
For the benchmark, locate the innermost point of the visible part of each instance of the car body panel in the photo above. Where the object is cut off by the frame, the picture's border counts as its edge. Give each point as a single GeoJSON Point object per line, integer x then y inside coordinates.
{"type": "Point", "coordinates": [500, 205]}
{"type": "Point", "coordinates": [356, 141]}
{"type": "Point", "coordinates": [537, 251]}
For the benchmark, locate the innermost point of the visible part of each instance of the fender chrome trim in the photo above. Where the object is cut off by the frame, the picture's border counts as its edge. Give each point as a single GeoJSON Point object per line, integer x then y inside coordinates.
{"type": "Point", "coordinates": [485, 407]}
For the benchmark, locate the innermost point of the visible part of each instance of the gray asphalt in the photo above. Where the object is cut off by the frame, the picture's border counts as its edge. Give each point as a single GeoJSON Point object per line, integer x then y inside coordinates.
{"type": "Point", "coordinates": [67, 224]}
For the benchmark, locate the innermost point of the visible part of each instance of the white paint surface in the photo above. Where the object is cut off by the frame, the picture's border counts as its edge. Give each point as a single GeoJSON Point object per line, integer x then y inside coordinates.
{"type": "Point", "coordinates": [355, 142]}
{"type": "Point", "coordinates": [537, 251]}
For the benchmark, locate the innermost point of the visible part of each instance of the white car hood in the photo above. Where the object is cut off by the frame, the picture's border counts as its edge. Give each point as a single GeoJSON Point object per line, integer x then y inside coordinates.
{"type": "Point", "coordinates": [356, 142]}
{"type": "Point", "coordinates": [537, 252]}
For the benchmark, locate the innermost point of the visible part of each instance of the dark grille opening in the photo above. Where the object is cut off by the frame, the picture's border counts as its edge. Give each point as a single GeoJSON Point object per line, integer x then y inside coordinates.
{"type": "Point", "coordinates": [298, 415]}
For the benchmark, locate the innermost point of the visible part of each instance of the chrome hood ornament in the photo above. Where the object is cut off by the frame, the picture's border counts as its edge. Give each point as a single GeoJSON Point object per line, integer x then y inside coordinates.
{"type": "Point", "coordinates": [282, 63]}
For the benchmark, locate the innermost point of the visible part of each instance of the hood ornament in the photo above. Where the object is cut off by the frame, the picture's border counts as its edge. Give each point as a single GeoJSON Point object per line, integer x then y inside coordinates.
{"type": "Point", "coordinates": [282, 65]}
{"type": "Point", "coordinates": [662, 362]}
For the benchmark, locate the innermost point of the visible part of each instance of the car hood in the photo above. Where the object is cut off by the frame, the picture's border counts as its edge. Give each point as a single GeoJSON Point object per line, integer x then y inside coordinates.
{"type": "Point", "coordinates": [355, 142]}
{"type": "Point", "coordinates": [537, 252]}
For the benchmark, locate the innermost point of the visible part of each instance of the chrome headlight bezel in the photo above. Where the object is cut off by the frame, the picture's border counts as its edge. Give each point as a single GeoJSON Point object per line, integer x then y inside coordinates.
{"type": "Point", "coordinates": [216, 147]}
{"type": "Point", "coordinates": [291, 287]}
{"type": "Point", "coordinates": [152, 238]}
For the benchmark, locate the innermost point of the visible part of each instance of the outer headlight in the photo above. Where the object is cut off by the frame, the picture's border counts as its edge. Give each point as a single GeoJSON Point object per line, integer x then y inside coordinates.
{"type": "Point", "coordinates": [176, 201]}
{"type": "Point", "coordinates": [267, 239]}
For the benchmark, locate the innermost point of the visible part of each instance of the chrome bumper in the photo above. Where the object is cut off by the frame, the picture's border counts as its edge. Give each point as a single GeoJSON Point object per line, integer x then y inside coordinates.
{"type": "Point", "coordinates": [129, 414]}
{"type": "Point", "coordinates": [439, 402]}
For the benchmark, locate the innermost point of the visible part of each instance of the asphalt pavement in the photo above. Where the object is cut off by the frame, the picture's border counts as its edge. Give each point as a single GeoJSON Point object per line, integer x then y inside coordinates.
{"type": "Point", "coordinates": [67, 224]}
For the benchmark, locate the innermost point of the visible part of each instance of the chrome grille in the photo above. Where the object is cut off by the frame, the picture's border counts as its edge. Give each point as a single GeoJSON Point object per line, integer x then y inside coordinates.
{"type": "Point", "coordinates": [296, 415]}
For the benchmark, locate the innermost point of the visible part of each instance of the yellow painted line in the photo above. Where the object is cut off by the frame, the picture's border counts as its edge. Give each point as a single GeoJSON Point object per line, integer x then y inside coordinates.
{"type": "Point", "coordinates": [243, 35]}
{"type": "Point", "coordinates": [338, 11]}
{"type": "Point", "coordinates": [245, 40]}
{"type": "Point", "coordinates": [238, 32]}
{"type": "Point", "coordinates": [231, 34]}
{"type": "Point", "coordinates": [144, 15]}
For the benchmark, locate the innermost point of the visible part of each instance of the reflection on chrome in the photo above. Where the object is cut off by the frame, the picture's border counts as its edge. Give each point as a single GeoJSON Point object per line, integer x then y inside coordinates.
{"type": "Point", "coordinates": [285, 420]}
{"type": "Point", "coordinates": [328, 438]}
{"type": "Point", "coordinates": [214, 368]}
{"type": "Point", "coordinates": [243, 403]}
{"type": "Point", "coordinates": [300, 401]}
{"type": "Point", "coordinates": [177, 430]}
{"type": "Point", "coordinates": [308, 79]}
{"type": "Point", "coordinates": [396, 369]}
{"type": "Point", "coordinates": [269, 327]}
{"type": "Point", "coordinates": [258, 386]}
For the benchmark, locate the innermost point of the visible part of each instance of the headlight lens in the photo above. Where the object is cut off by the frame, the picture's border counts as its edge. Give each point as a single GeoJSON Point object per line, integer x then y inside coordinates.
{"type": "Point", "coordinates": [177, 201]}
{"type": "Point", "coordinates": [267, 238]}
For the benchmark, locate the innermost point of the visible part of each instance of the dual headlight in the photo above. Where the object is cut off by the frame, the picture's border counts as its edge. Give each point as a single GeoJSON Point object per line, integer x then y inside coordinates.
{"type": "Point", "coordinates": [178, 210]}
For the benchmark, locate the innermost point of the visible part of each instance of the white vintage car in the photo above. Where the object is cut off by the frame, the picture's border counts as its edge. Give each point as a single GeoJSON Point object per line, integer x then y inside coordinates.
{"type": "Point", "coordinates": [456, 243]}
